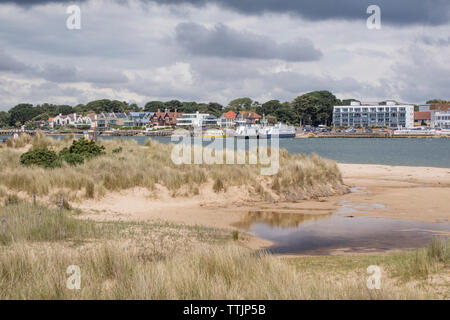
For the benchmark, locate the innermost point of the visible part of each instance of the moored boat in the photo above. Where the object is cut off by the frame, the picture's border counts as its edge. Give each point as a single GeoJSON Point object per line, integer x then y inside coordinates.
{"type": "Point", "coordinates": [279, 130]}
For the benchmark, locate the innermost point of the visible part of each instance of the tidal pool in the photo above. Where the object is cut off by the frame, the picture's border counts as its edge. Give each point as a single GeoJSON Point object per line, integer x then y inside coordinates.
{"type": "Point", "coordinates": [323, 234]}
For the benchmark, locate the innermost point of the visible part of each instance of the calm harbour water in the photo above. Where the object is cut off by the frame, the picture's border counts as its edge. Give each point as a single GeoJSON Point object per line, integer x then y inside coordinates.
{"type": "Point", "coordinates": [427, 152]}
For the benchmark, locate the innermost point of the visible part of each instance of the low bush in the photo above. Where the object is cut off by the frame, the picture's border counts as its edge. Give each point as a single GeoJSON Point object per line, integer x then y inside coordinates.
{"type": "Point", "coordinates": [86, 148]}
{"type": "Point", "coordinates": [40, 157]}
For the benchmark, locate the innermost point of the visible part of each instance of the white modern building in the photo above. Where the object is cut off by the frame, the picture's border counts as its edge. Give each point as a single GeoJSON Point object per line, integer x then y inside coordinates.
{"type": "Point", "coordinates": [440, 119]}
{"type": "Point", "coordinates": [196, 120]}
{"type": "Point", "coordinates": [390, 115]}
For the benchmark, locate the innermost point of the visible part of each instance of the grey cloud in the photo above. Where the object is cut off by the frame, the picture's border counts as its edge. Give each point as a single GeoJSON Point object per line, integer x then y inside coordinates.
{"type": "Point", "coordinates": [10, 64]}
{"type": "Point", "coordinates": [398, 12]}
{"type": "Point", "coordinates": [222, 41]}
{"type": "Point", "coordinates": [439, 42]}
{"type": "Point", "coordinates": [58, 73]}
{"type": "Point", "coordinates": [421, 77]}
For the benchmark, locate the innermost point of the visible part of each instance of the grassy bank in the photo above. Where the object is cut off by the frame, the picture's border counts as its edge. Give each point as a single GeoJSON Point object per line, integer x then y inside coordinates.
{"type": "Point", "coordinates": [149, 166]}
{"type": "Point", "coordinates": [160, 260]}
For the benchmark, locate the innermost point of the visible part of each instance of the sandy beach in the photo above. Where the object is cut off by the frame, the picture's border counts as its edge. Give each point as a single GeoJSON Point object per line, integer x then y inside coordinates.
{"type": "Point", "coordinates": [396, 192]}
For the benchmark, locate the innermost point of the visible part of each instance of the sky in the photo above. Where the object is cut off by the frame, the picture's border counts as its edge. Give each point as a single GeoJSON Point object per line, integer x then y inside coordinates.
{"type": "Point", "coordinates": [217, 50]}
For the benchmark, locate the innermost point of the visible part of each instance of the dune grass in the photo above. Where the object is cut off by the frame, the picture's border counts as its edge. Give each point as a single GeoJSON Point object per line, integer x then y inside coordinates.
{"type": "Point", "coordinates": [27, 222]}
{"type": "Point", "coordinates": [20, 142]}
{"type": "Point", "coordinates": [206, 272]}
{"type": "Point", "coordinates": [423, 262]}
{"type": "Point", "coordinates": [150, 165]}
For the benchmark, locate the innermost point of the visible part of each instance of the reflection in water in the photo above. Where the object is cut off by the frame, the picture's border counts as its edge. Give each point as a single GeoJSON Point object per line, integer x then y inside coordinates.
{"type": "Point", "coordinates": [278, 219]}
{"type": "Point", "coordinates": [316, 234]}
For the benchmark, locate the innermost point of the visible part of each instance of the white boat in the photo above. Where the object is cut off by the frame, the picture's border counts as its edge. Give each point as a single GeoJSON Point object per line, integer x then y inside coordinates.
{"type": "Point", "coordinates": [280, 130]}
{"type": "Point", "coordinates": [244, 132]}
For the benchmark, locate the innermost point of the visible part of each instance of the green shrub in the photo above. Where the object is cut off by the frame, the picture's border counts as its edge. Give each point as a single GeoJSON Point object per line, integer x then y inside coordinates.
{"type": "Point", "coordinates": [73, 159]}
{"type": "Point", "coordinates": [40, 157]}
{"type": "Point", "coordinates": [63, 152]}
{"type": "Point", "coordinates": [86, 148]}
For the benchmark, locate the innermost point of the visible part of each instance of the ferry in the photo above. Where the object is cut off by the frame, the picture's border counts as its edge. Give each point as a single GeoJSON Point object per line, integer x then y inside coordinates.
{"type": "Point", "coordinates": [280, 130]}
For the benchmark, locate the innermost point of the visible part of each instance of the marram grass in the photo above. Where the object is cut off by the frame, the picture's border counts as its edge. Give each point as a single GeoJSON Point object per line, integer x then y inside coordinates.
{"type": "Point", "coordinates": [299, 176]}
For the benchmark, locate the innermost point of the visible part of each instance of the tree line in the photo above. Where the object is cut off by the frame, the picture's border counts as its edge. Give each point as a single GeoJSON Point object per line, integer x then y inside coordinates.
{"type": "Point", "coordinates": [312, 108]}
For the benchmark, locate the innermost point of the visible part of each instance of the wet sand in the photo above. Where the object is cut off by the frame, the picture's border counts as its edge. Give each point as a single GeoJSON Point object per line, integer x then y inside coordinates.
{"type": "Point", "coordinates": [408, 193]}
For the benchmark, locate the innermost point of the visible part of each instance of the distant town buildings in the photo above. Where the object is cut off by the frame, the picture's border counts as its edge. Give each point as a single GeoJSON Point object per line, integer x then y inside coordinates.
{"type": "Point", "coordinates": [439, 115]}
{"type": "Point", "coordinates": [107, 121]}
{"type": "Point", "coordinates": [390, 115]}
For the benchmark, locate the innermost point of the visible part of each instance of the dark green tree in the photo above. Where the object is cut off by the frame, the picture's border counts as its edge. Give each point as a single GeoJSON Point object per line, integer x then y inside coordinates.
{"type": "Point", "coordinates": [22, 113]}
{"type": "Point", "coordinates": [315, 108]}
{"type": "Point", "coordinates": [4, 119]}
{"type": "Point", "coordinates": [269, 107]}
{"type": "Point", "coordinates": [240, 104]}
{"type": "Point", "coordinates": [438, 101]}
{"type": "Point", "coordinates": [153, 106]}
{"type": "Point", "coordinates": [173, 104]}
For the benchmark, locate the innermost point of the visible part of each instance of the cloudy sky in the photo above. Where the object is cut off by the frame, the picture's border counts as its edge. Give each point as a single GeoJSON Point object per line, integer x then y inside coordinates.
{"type": "Point", "coordinates": [142, 50]}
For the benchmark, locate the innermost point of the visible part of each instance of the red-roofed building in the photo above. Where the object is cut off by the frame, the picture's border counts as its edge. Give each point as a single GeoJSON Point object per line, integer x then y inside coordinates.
{"type": "Point", "coordinates": [422, 119]}
{"type": "Point", "coordinates": [247, 117]}
{"type": "Point", "coordinates": [227, 119]}
{"type": "Point", "coordinates": [166, 118]}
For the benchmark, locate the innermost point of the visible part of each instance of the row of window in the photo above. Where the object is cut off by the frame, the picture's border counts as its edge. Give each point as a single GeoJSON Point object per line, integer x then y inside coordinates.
{"type": "Point", "coordinates": [387, 109]}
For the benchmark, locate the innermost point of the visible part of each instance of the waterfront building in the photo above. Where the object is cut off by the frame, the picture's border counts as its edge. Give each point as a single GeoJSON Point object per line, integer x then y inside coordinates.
{"type": "Point", "coordinates": [227, 119]}
{"type": "Point", "coordinates": [196, 120]}
{"type": "Point", "coordinates": [246, 118]}
{"type": "Point", "coordinates": [113, 120]}
{"type": "Point", "coordinates": [440, 119]}
{"type": "Point", "coordinates": [165, 118]}
{"type": "Point", "coordinates": [391, 115]}
{"type": "Point", "coordinates": [141, 119]}
{"type": "Point", "coordinates": [72, 119]}
{"type": "Point", "coordinates": [422, 119]}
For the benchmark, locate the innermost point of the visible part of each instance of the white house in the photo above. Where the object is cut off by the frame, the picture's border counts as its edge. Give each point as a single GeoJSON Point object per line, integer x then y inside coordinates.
{"type": "Point", "coordinates": [71, 120]}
